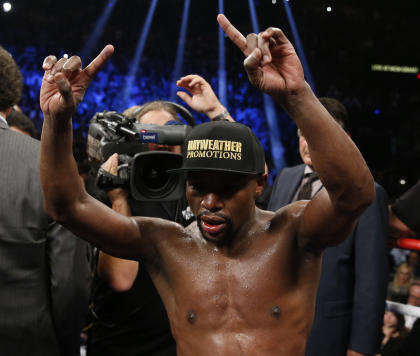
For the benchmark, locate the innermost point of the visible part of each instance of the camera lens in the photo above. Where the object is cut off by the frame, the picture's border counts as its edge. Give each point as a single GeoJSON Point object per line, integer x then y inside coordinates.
{"type": "Point", "coordinates": [150, 178]}
{"type": "Point", "coordinates": [154, 175]}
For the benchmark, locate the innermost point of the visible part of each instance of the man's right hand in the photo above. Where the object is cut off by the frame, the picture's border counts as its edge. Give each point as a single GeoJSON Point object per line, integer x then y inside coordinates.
{"type": "Point", "coordinates": [65, 82]}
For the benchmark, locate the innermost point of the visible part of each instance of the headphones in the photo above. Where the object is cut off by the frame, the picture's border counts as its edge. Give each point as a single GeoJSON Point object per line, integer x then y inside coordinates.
{"type": "Point", "coordinates": [182, 111]}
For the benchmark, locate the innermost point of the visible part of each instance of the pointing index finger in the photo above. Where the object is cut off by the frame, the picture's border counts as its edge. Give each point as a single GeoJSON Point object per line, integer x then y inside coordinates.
{"type": "Point", "coordinates": [93, 68]}
{"type": "Point", "coordinates": [231, 31]}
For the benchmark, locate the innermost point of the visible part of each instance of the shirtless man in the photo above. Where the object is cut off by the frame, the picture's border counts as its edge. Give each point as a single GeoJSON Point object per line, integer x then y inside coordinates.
{"type": "Point", "coordinates": [239, 281]}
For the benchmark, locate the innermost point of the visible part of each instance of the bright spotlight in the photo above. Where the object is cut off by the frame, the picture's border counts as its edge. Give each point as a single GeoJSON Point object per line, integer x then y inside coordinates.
{"type": "Point", "coordinates": [65, 55]}
{"type": "Point", "coordinates": [7, 6]}
{"type": "Point", "coordinates": [329, 9]}
{"type": "Point", "coordinates": [274, 1]}
{"type": "Point", "coordinates": [403, 181]}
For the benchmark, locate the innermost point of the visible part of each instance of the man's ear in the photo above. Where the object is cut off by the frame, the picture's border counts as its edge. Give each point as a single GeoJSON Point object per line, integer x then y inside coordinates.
{"type": "Point", "coordinates": [261, 183]}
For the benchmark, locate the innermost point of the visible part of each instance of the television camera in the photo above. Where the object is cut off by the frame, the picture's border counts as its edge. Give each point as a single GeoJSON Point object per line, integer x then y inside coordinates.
{"type": "Point", "coordinates": [142, 172]}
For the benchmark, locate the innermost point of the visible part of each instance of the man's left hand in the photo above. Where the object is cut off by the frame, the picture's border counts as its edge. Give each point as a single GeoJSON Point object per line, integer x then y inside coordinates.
{"type": "Point", "coordinates": [271, 62]}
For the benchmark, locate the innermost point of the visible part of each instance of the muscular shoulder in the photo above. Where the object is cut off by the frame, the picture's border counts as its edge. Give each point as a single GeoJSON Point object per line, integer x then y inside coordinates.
{"type": "Point", "coordinates": [164, 235]}
{"type": "Point", "coordinates": [191, 229]}
{"type": "Point", "coordinates": [286, 221]}
{"type": "Point", "coordinates": [153, 227]}
{"type": "Point", "coordinates": [157, 236]}
{"type": "Point", "coordinates": [289, 215]}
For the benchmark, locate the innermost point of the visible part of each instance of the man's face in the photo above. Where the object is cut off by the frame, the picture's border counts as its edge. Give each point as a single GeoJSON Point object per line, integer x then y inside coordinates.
{"type": "Point", "coordinates": [414, 296]}
{"type": "Point", "coordinates": [222, 202]}
{"type": "Point", "coordinates": [159, 117]}
{"type": "Point", "coordinates": [304, 151]}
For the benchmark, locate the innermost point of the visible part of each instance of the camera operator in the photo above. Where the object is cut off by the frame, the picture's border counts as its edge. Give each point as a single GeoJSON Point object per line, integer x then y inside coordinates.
{"type": "Point", "coordinates": [130, 318]}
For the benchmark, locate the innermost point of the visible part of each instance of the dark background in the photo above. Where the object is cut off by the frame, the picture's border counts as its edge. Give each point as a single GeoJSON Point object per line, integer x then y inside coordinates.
{"type": "Point", "coordinates": [340, 47]}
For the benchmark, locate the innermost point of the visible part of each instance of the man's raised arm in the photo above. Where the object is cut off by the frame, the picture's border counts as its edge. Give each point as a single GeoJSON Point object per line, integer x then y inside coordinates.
{"type": "Point", "coordinates": [65, 198]}
{"type": "Point", "coordinates": [273, 67]}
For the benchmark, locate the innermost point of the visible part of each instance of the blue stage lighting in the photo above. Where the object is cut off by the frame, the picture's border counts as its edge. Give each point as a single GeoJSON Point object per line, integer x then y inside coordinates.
{"type": "Point", "coordinates": [298, 45]}
{"type": "Point", "coordinates": [222, 61]}
{"type": "Point", "coordinates": [277, 149]}
{"type": "Point", "coordinates": [92, 41]}
{"type": "Point", "coordinates": [137, 56]}
{"type": "Point", "coordinates": [176, 74]}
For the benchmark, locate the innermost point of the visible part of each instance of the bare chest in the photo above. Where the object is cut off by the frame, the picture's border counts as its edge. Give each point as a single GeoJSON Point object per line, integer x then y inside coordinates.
{"type": "Point", "coordinates": [258, 289]}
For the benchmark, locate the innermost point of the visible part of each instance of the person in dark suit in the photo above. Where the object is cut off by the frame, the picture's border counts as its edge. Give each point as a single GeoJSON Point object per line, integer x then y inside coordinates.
{"type": "Point", "coordinates": [43, 267]}
{"type": "Point", "coordinates": [352, 288]}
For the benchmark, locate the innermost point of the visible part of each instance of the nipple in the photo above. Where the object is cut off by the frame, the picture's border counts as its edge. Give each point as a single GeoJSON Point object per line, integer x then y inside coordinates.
{"type": "Point", "coordinates": [191, 317]}
{"type": "Point", "coordinates": [275, 312]}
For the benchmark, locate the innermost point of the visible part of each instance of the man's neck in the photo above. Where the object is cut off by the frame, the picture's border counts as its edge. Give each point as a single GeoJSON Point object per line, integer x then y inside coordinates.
{"type": "Point", "coordinates": [244, 234]}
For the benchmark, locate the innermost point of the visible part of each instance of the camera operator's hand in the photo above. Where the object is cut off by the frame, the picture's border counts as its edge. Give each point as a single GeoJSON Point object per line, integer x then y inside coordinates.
{"type": "Point", "coordinates": [116, 195]}
{"type": "Point", "coordinates": [202, 99]}
{"type": "Point", "coordinates": [65, 83]}
{"type": "Point", "coordinates": [271, 62]}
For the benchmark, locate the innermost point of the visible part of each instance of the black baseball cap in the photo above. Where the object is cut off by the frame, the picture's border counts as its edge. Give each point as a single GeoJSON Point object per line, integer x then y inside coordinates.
{"type": "Point", "coordinates": [222, 146]}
